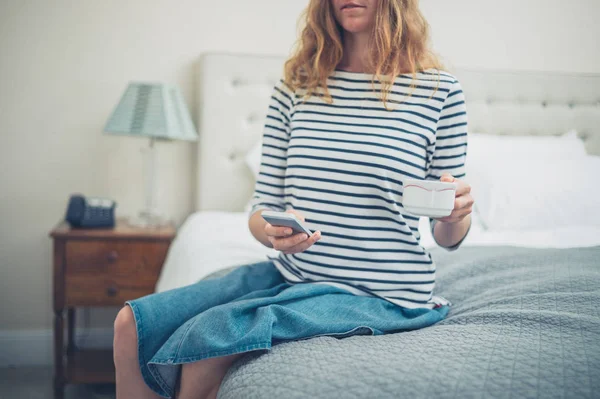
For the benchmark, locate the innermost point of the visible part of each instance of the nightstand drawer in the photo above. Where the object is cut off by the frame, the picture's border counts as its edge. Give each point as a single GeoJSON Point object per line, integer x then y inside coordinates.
{"type": "Point", "coordinates": [102, 291]}
{"type": "Point", "coordinates": [107, 272]}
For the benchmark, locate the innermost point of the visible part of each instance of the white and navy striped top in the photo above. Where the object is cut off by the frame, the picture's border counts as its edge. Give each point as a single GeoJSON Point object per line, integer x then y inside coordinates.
{"type": "Point", "coordinates": [342, 165]}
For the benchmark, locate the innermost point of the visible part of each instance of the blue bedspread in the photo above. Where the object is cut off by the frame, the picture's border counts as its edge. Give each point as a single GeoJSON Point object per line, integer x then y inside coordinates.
{"type": "Point", "coordinates": [524, 323]}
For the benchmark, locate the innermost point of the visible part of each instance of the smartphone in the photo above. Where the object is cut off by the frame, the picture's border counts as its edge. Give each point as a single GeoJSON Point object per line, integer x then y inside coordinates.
{"type": "Point", "coordinates": [287, 220]}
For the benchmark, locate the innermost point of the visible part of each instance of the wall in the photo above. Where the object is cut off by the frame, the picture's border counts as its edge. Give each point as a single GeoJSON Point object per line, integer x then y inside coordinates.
{"type": "Point", "coordinates": [538, 35]}
{"type": "Point", "coordinates": [64, 64]}
{"type": "Point", "coordinates": [63, 67]}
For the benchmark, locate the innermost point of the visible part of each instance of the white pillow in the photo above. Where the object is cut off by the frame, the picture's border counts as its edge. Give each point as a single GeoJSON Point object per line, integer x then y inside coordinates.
{"type": "Point", "coordinates": [484, 146]}
{"type": "Point", "coordinates": [253, 158]}
{"type": "Point", "coordinates": [537, 193]}
{"type": "Point", "coordinates": [493, 160]}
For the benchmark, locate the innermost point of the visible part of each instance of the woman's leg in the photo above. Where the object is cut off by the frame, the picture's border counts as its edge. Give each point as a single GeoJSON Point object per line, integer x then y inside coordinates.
{"type": "Point", "coordinates": [161, 314]}
{"type": "Point", "coordinates": [198, 380]}
{"type": "Point", "coordinates": [202, 379]}
{"type": "Point", "coordinates": [130, 384]}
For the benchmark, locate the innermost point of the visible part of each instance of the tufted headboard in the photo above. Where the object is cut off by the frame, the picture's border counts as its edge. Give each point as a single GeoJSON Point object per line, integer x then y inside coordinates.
{"type": "Point", "coordinates": [234, 91]}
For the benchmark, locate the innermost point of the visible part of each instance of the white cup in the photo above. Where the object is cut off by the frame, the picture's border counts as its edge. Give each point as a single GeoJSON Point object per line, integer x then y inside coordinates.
{"type": "Point", "coordinates": [428, 198]}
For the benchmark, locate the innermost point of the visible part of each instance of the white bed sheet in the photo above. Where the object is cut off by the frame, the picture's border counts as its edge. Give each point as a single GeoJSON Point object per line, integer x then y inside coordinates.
{"type": "Point", "coordinates": [562, 237]}
{"type": "Point", "coordinates": [212, 241]}
{"type": "Point", "coordinates": [208, 242]}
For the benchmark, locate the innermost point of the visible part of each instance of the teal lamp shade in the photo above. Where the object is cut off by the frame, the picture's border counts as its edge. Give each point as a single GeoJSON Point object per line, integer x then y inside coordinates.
{"type": "Point", "coordinates": [152, 110]}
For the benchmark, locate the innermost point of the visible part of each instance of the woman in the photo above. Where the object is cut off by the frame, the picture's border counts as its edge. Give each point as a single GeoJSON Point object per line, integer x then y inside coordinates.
{"type": "Point", "coordinates": [363, 105]}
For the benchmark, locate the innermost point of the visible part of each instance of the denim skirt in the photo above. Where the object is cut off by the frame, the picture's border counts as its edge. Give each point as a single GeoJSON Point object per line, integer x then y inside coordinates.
{"type": "Point", "coordinates": [251, 309]}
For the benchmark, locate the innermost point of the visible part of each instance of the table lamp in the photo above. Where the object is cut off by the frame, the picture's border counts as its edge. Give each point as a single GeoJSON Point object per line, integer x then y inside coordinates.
{"type": "Point", "coordinates": [155, 111]}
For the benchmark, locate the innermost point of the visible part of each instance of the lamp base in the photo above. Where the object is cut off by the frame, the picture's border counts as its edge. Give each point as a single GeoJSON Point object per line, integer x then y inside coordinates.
{"type": "Point", "coordinates": [148, 219]}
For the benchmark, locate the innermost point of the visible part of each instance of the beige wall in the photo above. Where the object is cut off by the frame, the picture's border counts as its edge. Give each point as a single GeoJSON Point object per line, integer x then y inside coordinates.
{"type": "Point", "coordinates": [63, 65]}
{"type": "Point", "coordinates": [537, 35]}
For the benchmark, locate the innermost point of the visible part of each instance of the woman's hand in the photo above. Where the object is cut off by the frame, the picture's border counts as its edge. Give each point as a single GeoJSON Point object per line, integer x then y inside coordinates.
{"type": "Point", "coordinates": [283, 238]}
{"type": "Point", "coordinates": [463, 201]}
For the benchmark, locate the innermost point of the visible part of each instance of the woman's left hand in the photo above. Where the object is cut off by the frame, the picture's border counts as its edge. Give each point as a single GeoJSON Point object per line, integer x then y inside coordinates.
{"type": "Point", "coordinates": [463, 201]}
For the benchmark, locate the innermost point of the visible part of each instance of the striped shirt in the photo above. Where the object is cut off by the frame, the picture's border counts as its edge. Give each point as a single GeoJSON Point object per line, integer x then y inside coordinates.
{"type": "Point", "coordinates": [342, 164]}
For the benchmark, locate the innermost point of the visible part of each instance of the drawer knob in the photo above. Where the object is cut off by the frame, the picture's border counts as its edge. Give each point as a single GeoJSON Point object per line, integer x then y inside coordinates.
{"type": "Point", "coordinates": [112, 256]}
{"type": "Point", "coordinates": [111, 291]}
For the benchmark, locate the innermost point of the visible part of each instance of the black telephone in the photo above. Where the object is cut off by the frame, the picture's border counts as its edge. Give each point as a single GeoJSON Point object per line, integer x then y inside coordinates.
{"type": "Point", "coordinates": [90, 212]}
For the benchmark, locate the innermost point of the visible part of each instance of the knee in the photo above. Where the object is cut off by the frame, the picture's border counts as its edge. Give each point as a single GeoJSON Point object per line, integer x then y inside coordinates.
{"type": "Point", "coordinates": [125, 334]}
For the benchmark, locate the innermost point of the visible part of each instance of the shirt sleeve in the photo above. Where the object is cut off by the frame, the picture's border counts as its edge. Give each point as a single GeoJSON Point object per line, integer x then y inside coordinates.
{"type": "Point", "coordinates": [450, 146]}
{"type": "Point", "coordinates": [269, 188]}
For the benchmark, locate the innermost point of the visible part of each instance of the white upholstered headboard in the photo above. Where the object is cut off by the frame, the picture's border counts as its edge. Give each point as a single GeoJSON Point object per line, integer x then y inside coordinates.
{"type": "Point", "coordinates": [234, 91]}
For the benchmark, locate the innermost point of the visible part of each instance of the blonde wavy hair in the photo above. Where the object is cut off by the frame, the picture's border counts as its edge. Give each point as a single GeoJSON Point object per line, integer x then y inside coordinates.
{"type": "Point", "coordinates": [400, 45]}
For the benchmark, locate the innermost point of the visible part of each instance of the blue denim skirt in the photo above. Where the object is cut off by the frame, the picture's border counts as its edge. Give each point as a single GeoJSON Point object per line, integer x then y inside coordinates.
{"type": "Point", "coordinates": [251, 309]}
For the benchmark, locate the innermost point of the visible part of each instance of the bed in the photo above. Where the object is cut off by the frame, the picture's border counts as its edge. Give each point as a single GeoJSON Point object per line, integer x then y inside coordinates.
{"type": "Point", "coordinates": [525, 286]}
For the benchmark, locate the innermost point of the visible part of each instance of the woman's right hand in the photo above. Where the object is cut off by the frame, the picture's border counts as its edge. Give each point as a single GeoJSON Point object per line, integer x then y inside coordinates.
{"type": "Point", "coordinates": [283, 238]}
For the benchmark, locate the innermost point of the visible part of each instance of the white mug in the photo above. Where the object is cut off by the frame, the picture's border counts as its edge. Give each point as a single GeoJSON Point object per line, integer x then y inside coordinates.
{"type": "Point", "coordinates": [428, 198]}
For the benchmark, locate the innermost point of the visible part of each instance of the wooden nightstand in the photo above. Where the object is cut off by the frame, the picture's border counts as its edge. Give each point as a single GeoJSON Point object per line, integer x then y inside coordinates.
{"type": "Point", "coordinates": [99, 267]}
